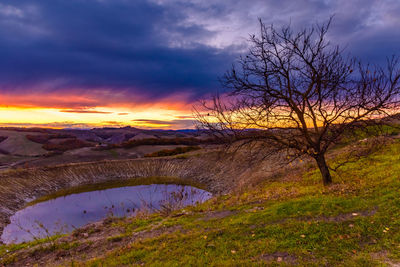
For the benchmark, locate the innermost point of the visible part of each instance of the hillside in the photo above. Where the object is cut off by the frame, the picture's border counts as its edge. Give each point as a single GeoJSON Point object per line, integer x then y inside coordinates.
{"type": "Point", "coordinates": [25, 147]}
{"type": "Point", "coordinates": [17, 144]}
{"type": "Point", "coordinates": [288, 219]}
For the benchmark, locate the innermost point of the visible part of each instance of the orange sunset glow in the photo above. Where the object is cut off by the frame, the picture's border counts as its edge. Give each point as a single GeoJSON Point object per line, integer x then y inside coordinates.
{"type": "Point", "coordinates": [80, 111]}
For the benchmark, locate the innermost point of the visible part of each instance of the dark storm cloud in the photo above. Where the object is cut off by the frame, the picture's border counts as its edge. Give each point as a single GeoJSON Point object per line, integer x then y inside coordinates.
{"type": "Point", "coordinates": [61, 45]}
{"type": "Point", "coordinates": [156, 48]}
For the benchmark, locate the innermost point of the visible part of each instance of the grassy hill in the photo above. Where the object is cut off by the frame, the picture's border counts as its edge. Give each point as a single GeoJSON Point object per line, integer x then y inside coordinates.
{"type": "Point", "coordinates": [17, 143]}
{"type": "Point", "coordinates": [25, 148]}
{"type": "Point", "coordinates": [290, 220]}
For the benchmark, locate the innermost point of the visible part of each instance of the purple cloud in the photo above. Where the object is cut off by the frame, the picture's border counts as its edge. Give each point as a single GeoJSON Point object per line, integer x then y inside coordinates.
{"type": "Point", "coordinates": [148, 50]}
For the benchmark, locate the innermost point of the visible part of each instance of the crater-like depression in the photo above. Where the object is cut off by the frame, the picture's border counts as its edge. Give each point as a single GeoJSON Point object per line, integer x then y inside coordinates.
{"type": "Point", "coordinates": [62, 214]}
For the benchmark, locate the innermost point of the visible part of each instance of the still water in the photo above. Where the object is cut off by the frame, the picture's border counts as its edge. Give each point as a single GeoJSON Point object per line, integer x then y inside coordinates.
{"type": "Point", "coordinates": [63, 214]}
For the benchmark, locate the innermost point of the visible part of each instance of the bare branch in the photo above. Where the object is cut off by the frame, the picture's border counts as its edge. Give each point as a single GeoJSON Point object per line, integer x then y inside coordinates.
{"type": "Point", "coordinates": [299, 93]}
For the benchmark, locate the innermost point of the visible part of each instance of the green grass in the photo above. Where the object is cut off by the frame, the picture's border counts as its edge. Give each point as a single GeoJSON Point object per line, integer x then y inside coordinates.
{"type": "Point", "coordinates": [354, 222]}
{"type": "Point", "coordinates": [370, 132]}
{"type": "Point", "coordinates": [311, 226]}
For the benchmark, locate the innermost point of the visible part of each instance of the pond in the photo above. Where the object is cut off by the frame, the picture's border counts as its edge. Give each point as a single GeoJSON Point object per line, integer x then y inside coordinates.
{"type": "Point", "coordinates": [64, 214]}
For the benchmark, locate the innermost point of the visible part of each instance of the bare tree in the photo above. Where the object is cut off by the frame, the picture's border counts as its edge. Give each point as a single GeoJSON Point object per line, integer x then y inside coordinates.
{"type": "Point", "coordinates": [296, 91]}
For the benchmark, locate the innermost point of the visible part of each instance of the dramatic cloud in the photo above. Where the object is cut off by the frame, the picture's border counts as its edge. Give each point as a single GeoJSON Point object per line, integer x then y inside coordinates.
{"type": "Point", "coordinates": [103, 45]}
{"type": "Point", "coordinates": [76, 55]}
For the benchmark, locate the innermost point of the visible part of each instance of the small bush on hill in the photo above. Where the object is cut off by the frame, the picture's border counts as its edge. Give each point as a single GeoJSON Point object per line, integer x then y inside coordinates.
{"type": "Point", "coordinates": [53, 153]}
{"type": "Point", "coordinates": [171, 152]}
{"type": "Point", "coordinates": [41, 139]}
{"type": "Point", "coordinates": [2, 138]}
{"type": "Point", "coordinates": [104, 135]}
{"type": "Point", "coordinates": [67, 145]}
{"type": "Point", "coordinates": [4, 152]}
{"type": "Point", "coordinates": [45, 138]}
{"type": "Point", "coordinates": [191, 141]}
{"type": "Point", "coordinates": [161, 141]}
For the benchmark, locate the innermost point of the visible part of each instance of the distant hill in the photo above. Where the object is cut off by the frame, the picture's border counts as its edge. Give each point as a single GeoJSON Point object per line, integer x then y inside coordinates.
{"type": "Point", "coordinates": [32, 146]}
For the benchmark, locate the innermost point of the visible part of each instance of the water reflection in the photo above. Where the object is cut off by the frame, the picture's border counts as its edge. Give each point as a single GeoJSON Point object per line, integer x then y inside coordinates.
{"type": "Point", "coordinates": [63, 214]}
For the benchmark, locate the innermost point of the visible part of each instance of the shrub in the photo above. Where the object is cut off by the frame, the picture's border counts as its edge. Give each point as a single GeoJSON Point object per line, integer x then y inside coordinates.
{"type": "Point", "coordinates": [188, 141]}
{"type": "Point", "coordinates": [104, 135]}
{"type": "Point", "coordinates": [161, 141]}
{"type": "Point", "coordinates": [45, 138]}
{"type": "Point", "coordinates": [171, 152]}
{"type": "Point", "coordinates": [2, 138]}
{"type": "Point", "coordinates": [4, 152]}
{"type": "Point", "coordinates": [53, 153]}
{"type": "Point", "coordinates": [68, 144]}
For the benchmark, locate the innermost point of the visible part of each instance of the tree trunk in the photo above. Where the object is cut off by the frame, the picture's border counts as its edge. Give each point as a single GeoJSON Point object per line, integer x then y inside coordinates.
{"type": "Point", "coordinates": [323, 167]}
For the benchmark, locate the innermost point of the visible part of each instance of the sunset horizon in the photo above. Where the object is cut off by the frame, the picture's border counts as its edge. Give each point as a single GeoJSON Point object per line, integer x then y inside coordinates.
{"type": "Point", "coordinates": [86, 112]}
{"type": "Point", "coordinates": [145, 64]}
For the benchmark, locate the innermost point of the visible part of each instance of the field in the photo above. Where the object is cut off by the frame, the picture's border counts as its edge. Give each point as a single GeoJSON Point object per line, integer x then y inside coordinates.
{"type": "Point", "coordinates": [287, 219]}
{"type": "Point", "coordinates": [25, 148]}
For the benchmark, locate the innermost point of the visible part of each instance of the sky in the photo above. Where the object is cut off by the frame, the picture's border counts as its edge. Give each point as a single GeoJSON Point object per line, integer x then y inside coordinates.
{"type": "Point", "coordinates": [144, 63]}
